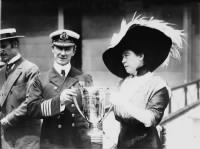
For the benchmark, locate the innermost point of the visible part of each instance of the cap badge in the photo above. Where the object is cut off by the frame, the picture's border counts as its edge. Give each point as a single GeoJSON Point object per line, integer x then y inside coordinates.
{"type": "Point", "coordinates": [64, 36]}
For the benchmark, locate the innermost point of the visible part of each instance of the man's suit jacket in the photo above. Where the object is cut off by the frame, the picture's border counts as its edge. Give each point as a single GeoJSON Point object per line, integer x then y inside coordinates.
{"type": "Point", "coordinates": [20, 132]}
{"type": "Point", "coordinates": [65, 129]}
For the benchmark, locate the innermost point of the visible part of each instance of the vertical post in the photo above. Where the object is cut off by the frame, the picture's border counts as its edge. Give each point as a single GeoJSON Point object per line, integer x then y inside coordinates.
{"type": "Point", "coordinates": [186, 92]}
{"type": "Point", "coordinates": [198, 85]}
{"type": "Point", "coordinates": [170, 107]}
{"type": "Point", "coordinates": [0, 12]}
{"type": "Point", "coordinates": [60, 18]}
{"type": "Point", "coordinates": [187, 25]}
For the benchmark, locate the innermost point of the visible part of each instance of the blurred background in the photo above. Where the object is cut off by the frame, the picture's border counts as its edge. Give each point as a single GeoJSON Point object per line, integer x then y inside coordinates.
{"type": "Point", "coordinates": [96, 21]}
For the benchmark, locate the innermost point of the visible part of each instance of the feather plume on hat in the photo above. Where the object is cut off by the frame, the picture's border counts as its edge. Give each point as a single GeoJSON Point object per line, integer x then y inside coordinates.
{"type": "Point", "coordinates": [177, 36]}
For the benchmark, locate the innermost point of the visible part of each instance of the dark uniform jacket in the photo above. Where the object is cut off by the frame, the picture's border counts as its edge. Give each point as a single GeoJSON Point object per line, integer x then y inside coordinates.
{"type": "Point", "coordinates": [65, 129]}
{"type": "Point", "coordinates": [21, 132]}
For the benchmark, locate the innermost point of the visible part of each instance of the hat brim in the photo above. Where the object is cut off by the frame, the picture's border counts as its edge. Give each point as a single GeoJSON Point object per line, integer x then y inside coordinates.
{"type": "Point", "coordinates": [63, 44]}
{"type": "Point", "coordinates": [154, 44]}
{"type": "Point", "coordinates": [6, 38]}
{"type": "Point", "coordinates": [113, 61]}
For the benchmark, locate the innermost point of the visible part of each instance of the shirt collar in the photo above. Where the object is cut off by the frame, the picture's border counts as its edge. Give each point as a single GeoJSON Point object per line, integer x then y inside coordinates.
{"type": "Point", "coordinates": [58, 68]}
{"type": "Point", "coordinates": [14, 59]}
{"type": "Point", "coordinates": [2, 63]}
{"type": "Point", "coordinates": [146, 75]}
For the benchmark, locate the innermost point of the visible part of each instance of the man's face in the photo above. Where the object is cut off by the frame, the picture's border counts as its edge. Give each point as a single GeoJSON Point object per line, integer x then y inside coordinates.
{"type": "Point", "coordinates": [7, 50]}
{"type": "Point", "coordinates": [63, 55]}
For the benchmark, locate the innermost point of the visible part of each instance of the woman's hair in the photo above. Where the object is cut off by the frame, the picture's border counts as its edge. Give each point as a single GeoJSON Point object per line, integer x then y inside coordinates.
{"type": "Point", "coordinates": [137, 49]}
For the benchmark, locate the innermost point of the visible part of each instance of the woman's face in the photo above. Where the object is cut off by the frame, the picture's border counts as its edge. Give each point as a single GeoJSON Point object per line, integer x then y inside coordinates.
{"type": "Point", "coordinates": [131, 61]}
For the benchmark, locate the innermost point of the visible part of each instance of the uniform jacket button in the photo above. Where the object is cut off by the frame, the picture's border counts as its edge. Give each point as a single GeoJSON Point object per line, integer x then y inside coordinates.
{"type": "Point", "coordinates": [73, 115]}
{"type": "Point", "coordinates": [73, 124]}
{"type": "Point", "coordinates": [72, 105]}
{"type": "Point", "coordinates": [55, 87]}
{"type": "Point", "coordinates": [59, 126]}
{"type": "Point", "coordinates": [58, 117]}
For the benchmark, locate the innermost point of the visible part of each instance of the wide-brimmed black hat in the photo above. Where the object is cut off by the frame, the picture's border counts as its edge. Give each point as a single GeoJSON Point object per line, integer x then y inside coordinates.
{"type": "Point", "coordinates": [9, 33]}
{"type": "Point", "coordinates": [141, 39]}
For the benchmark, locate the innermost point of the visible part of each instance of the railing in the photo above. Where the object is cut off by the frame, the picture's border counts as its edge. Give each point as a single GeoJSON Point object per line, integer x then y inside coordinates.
{"type": "Point", "coordinates": [184, 97]}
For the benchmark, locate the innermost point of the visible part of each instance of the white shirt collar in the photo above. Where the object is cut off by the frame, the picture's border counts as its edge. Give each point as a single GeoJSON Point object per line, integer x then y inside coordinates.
{"type": "Point", "coordinates": [14, 59]}
{"type": "Point", "coordinates": [2, 63]}
{"type": "Point", "coordinates": [59, 68]}
{"type": "Point", "coordinates": [147, 75]}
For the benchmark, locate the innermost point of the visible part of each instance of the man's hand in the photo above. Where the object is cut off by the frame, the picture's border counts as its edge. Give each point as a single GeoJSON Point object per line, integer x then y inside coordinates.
{"type": "Point", "coordinates": [10, 119]}
{"type": "Point", "coordinates": [21, 110]}
{"type": "Point", "coordinates": [67, 95]}
{"type": "Point", "coordinates": [5, 123]}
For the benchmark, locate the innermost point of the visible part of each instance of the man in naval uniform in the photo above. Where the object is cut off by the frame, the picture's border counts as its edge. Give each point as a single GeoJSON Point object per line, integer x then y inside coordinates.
{"type": "Point", "coordinates": [52, 94]}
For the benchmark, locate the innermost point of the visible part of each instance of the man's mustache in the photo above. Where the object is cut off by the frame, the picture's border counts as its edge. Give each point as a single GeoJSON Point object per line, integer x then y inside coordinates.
{"type": "Point", "coordinates": [62, 56]}
{"type": "Point", "coordinates": [2, 53]}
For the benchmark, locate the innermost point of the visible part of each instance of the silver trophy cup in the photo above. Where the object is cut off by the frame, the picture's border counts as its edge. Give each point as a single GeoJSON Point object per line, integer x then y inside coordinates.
{"type": "Point", "coordinates": [95, 109]}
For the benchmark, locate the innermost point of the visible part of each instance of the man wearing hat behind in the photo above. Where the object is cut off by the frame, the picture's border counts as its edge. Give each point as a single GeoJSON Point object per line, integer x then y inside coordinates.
{"type": "Point", "coordinates": [2, 64]}
{"type": "Point", "coordinates": [51, 97]}
{"type": "Point", "coordinates": [17, 130]}
{"type": "Point", "coordinates": [136, 51]}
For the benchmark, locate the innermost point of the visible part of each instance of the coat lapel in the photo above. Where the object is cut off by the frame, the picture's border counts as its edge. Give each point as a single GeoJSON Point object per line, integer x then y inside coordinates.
{"type": "Point", "coordinates": [69, 81]}
{"type": "Point", "coordinates": [9, 83]}
{"type": "Point", "coordinates": [55, 78]}
{"type": "Point", "coordinates": [2, 77]}
{"type": "Point", "coordinates": [60, 82]}
{"type": "Point", "coordinates": [71, 78]}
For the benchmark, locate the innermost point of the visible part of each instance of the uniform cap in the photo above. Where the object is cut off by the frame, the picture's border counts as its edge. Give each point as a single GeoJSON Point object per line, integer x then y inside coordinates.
{"type": "Point", "coordinates": [64, 37]}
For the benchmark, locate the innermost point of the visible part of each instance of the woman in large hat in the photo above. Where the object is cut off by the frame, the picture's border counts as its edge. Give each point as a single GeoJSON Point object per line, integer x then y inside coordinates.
{"type": "Point", "coordinates": [141, 46]}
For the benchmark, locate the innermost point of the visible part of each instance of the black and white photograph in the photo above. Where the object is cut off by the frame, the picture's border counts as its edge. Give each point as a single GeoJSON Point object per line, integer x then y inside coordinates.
{"type": "Point", "coordinates": [99, 74]}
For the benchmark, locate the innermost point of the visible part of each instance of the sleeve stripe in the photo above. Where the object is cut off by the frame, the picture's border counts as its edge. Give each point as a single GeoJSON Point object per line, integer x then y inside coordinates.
{"type": "Point", "coordinates": [46, 108]}
{"type": "Point", "coordinates": [42, 109]}
{"type": "Point", "coordinates": [49, 108]}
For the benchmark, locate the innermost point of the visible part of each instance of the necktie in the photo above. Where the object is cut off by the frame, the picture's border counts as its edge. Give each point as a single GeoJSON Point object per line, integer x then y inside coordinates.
{"type": "Point", "coordinates": [63, 73]}
{"type": "Point", "coordinates": [9, 68]}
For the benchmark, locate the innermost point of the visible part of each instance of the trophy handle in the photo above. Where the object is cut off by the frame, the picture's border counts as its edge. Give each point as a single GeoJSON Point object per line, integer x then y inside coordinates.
{"type": "Point", "coordinates": [110, 108]}
{"type": "Point", "coordinates": [79, 110]}
{"type": "Point", "coordinates": [107, 111]}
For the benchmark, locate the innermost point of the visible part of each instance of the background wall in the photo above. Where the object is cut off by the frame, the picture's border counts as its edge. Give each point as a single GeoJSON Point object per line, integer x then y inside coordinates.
{"type": "Point", "coordinates": [99, 28]}
{"type": "Point", "coordinates": [96, 21]}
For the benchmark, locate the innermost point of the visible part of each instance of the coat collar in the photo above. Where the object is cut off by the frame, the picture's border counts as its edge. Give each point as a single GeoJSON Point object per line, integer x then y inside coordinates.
{"type": "Point", "coordinates": [59, 68]}
{"type": "Point", "coordinates": [15, 59]}
{"type": "Point", "coordinates": [11, 80]}
{"type": "Point", "coordinates": [56, 79]}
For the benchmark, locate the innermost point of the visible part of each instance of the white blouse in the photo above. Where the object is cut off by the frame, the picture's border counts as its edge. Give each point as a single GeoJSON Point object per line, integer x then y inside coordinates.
{"type": "Point", "coordinates": [133, 96]}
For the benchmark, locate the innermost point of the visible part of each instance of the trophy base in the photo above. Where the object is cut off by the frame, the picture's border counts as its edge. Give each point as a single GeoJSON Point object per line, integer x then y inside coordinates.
{"type": "Point", "coordinates": [96, 135]}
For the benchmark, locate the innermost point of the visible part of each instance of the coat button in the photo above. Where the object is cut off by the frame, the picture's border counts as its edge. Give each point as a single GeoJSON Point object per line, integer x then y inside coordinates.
{"type": "Point", "coordinates": [58, 117]}
{"type": "Point", "coordinates": [72, 105]}
{"type": "Point", "coordinates": [55, 87]}
{"type": "Point", "coordinates": [73, 115]}
{"type": "Point", "coordinates": [73, 124]}
{"type": "Point", "coordinates": [59, 126]}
